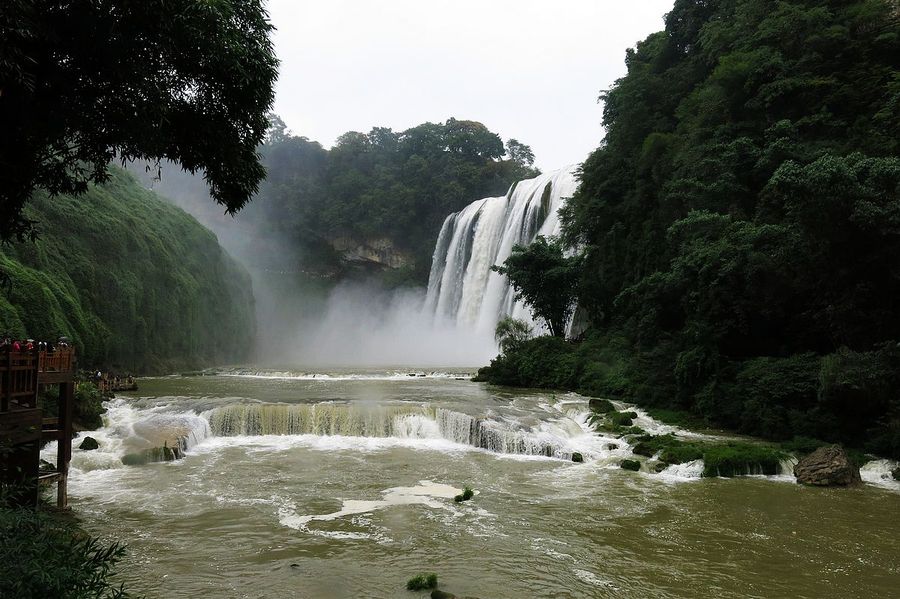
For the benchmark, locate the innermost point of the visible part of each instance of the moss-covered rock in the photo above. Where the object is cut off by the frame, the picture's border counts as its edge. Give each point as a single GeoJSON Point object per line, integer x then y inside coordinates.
{"type": "Point", "coordinates": [577, 457]}
{"type": "Point", "coordinates": [720, 459]}
{"type": "Point", "coordinates": [89, 444]}
{"type": "Point", "coordinates": [466, 495]}
{"type": "Point", "coordinates": [601, 406]}
{"type": "Point", "coordinates": [736, 459]}
{"type": "Point", "coordinates": [896, 473]}
{"type": "Point", "coordinates": [671, 450]}
{"type": "Point", "coordinates": [420, 582]}
{"type": "Point", "coordinates": [622, 418]}
{"type": "Point", "coordinates": [631, 431]}
{"type": "Point", "coordinates": [154, 454]}
{"type": "Point", "coordinates": [632, 465]}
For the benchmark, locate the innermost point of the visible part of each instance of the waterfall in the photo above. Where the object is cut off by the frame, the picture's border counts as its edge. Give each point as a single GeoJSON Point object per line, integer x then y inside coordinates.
{"type": "Point", "coordinates": [404, 422]}
{"type": "Point", "coordinates": [461, 287]}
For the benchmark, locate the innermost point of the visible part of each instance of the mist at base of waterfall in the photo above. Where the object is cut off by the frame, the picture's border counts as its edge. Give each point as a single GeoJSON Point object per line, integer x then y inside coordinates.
{"type": "Point", "coordinates": [360, 324]}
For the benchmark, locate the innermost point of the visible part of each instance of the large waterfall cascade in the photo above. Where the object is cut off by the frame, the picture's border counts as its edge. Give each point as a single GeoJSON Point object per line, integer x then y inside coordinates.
{"type": "Point", "coordinates": [462, 288]}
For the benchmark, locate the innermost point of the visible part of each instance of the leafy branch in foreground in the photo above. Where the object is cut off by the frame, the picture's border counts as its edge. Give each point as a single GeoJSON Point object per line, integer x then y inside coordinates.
{"type": "Point", "coordinates": [43, 555]}
{"type": "Point", "coordinates": [85, 83]}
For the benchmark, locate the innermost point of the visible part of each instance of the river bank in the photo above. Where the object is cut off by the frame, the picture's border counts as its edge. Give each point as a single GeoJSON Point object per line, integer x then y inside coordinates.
{"type": "Point", "coordinates": [604, 366]}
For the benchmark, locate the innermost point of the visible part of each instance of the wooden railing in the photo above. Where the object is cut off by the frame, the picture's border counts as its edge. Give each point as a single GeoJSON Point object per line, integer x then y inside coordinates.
{"type": "Point", "coordinates": [18, 379]}
{"type": "Point", "coordinates": [19, 372]}
{"type": "Point", "coordinates": [59, 360]}
{"type": "Point", "coordinates": [22, 425]}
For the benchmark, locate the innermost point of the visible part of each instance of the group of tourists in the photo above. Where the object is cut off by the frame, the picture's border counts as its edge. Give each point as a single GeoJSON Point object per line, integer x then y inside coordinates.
{"type": "Point", "coordinates": [108, 382]}
{"type": "Point", "coordinates": [9, 343]}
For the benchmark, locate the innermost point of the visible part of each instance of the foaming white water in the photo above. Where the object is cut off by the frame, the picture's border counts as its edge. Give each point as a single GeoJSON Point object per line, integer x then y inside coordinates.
{"type": "Point", "coordinates": [425, 493]}
{"type": "Point", "coordinates": [683, 472]}
{"type": "Point", "coordinates": [558, 437]}
{"type": "Point", "coordinates": [128, 429]}
{"type": "Point", "coordinates": [880, 473]}
{"type": "Point", "coordinates": [461, 286]}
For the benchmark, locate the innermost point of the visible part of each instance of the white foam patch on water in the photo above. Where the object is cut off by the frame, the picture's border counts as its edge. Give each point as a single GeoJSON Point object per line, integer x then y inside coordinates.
{"type": "Point", "coordinates": [880, 473]}
{"type": "Point", "coordinates": [426, 493]}
{"type": "Point", "coordinates": [688, 471]}
{"type": "Point", "coordinates": [593, 579]}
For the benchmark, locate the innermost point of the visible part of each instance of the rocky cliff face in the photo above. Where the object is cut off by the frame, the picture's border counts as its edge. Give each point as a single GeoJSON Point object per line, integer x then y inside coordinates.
{"type": "Point", "coordinates": [379, 253]}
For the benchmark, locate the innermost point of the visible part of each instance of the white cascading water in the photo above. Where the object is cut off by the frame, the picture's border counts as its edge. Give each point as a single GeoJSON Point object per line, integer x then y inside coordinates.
{"type": "Point", "coordinates": [462, 288]}
{"type": "Point", "coordinates": [404, 422]}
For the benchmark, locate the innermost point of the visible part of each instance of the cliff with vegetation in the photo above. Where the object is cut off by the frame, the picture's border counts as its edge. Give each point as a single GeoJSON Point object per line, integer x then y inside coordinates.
{"type": "Point", "coordinates": [135, 282]}
{"type": "Point", "coordinates": [371, 205]}
{"type": "Point", "coordinates": [740, 226]}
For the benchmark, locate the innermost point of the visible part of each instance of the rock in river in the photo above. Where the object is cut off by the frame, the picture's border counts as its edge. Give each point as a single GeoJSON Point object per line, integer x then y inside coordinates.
{"type": "Point", "coordinates": [826, 467]}
{"type": "Point", "coordinates": [88, 444]}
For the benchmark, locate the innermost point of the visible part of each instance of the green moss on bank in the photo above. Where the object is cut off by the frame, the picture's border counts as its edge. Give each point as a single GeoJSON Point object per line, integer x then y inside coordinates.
{"type": "Point", "coordinates": [844, 397]}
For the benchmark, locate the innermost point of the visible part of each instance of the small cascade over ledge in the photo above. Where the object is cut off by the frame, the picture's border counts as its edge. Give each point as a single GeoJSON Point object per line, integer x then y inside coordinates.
{"type": "Point", "coordinates": [401, 422]}
{"type": "Point", "coordinates": [462, 288]}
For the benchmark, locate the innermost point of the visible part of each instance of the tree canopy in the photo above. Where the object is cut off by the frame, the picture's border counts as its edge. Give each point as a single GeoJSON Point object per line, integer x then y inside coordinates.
{"type": "Point", "coordinates": [383, 184]}
{"type": "Point", "coordinates": [544, 278]}
{"type": "Point", "coordinates": [739, 222]}
{"type": "Point", "coordinates": [85, 82]}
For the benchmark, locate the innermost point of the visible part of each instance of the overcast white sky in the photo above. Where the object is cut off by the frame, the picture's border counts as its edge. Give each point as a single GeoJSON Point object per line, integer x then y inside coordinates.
{"type": "Point", "coordinates": [528, 69]}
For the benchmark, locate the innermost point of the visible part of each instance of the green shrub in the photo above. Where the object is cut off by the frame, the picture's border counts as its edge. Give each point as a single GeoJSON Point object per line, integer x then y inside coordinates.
{"type": "Point", "coordinates": [466, 495]}
{"type": "Point", "coordinates": [601, 406]}
{"type": "Point", "coordinates": [736, 459]}
{"type": "Point", "coordinates": [632, 430]}
{"type": "Point", "coordinates": [420, 582]}
{"type": "Point", "coordinates": [621, 418]}
{"type": "Point", "coordinates": [633, 465]}
{"type": "Point", "coordinates": [46, 556]}
{"type": "Point", "coordinates": [671, 450]}
{"type": "Point", "coordinates": [546, 362]}
{"type": "Point", "coordinates": [88, 409]}
{"type": "Point", "coordinates": [679, 418]}
{"type": "Point", "coordinates": [801, 445]}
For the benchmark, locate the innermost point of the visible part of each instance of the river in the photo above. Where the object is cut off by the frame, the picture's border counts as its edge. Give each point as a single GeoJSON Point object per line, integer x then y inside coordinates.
{"type": "Point", "coordinates": [341, 484]}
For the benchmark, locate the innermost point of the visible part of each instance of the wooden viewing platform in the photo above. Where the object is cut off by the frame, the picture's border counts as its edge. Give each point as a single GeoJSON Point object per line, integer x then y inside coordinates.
{"type": "Point", "coordinates": [24, 427]}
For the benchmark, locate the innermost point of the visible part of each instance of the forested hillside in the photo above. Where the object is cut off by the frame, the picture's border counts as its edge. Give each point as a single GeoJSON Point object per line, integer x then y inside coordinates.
{"type": "Point", "coordinates": [741, 224]}
{"type": "Point", "coordinates": [397, 186]}
{"type": "Point", "coordinates": [374, 202]}
{"type": "Point", "coordinates": [135, 282]}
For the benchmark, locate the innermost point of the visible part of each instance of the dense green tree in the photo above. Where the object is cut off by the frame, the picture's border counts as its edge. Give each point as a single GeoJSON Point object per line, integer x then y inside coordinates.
{"type": "Point", "coordinates": [511, 332]}
{"type": "Point", "coordinates": [739, 222]}
{"type": "Point", "coordinates": [544, 278]}
{"type": "Point", "coordinates": [85, 82]}
{"type": "Point", "coordinates": [384, 184]}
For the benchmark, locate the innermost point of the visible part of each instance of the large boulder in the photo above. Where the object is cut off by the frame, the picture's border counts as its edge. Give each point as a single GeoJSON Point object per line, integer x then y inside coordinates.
{"type": "Point", "coordinates": [827, 467]}
{"type": "Point", "coordinates": [601, 406]}
{"type": "Point", "coordinates": [89, 444]}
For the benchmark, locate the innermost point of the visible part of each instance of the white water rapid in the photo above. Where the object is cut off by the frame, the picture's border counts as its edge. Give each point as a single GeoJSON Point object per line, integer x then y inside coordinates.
{"type": "Point", "coordinates": [461, 287]}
